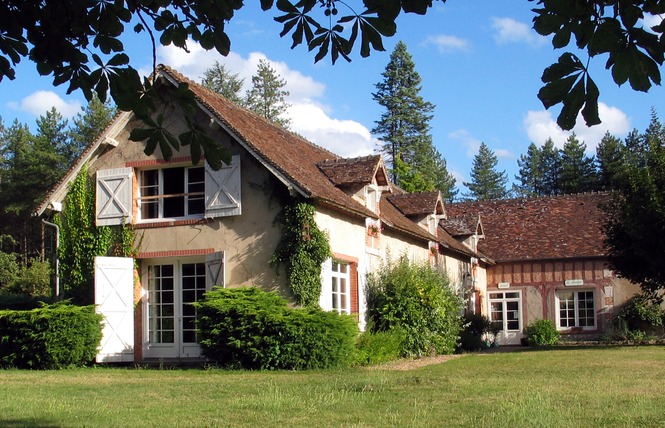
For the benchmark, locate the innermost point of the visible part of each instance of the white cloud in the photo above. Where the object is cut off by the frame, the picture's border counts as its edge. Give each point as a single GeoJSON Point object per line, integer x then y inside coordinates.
{"type": "Point", "coordinates": [471, 143]}
{"type": "Point", "coordinates": [508, 30]}
{"type": "Point", "coordinates": [540, 125]}
{"type": "Point", "coordinates": [40, 102]}
{"type": "Point", "coordinates": [346, 138]}
{"type": "Point", "coordinates": [447, 44]}
{"type": "Point", "coordinates": [504, 153]}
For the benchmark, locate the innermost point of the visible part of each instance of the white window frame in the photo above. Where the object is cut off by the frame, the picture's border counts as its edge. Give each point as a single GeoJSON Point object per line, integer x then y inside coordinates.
{"type": "Point", "coordinates": [161, 197]}
{"type": "Point", "coordinates": [576, 309]}
{"type": "Point", "coordinates": [340, 297]}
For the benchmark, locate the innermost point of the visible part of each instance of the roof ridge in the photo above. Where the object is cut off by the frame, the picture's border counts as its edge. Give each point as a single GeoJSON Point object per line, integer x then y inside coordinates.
{"type": "Point", "coordinates": [184, 79]}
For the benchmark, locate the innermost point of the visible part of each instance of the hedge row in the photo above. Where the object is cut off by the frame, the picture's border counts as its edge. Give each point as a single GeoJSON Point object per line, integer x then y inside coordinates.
{"type": "Point", "coordinates": [50, 337]}
{"type": "Point", "coordinates": [253, 329]}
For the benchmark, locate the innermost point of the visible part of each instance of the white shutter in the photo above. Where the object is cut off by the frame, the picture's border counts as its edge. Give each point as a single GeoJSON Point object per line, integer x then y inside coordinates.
{"type": "Point", "coordinates": [114, 196]}
{"type": "Point", "coordinates": [222, 190]}
{"type": "Point", "coordinates": [325, 299]}
{"type": "Point", "coordinates": [114, 300]}
{"type": "Point", "coordinates": [214, 270]}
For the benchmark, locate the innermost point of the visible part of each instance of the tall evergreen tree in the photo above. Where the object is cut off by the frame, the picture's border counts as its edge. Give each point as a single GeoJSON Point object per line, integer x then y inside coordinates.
{"type": "Point", "coordinates": [486, 182]}
{"type": "Point", "coordinates": [51, 145]}
{"type": "Point", "coordinates": [267, 95]}
{"type": "Point", "coordinates": [404, 129]}
{"type": "Point", "coordinates": [550, 167]}
{"type": "Point", "coordinates": [633, 224]}
{"type": "Point", "coordinates": [88, 124]}
{"type": "Point", "coordinates": [610, 160]}
{"type": "Point", "coordinates": [218, 79]}
{"type": "Point", "coordinates": [530, 178]}
{"type": "Point", "coordinates": [578, 172]}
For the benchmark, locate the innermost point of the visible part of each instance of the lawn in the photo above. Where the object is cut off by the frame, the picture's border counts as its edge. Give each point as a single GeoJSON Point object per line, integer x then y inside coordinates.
{"type": "Point", "coordinates": [604, 386]}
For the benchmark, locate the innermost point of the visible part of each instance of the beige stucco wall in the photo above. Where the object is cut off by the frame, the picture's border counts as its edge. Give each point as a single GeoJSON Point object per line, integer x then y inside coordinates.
{"type": "Point", "coordinates": [248, 240]}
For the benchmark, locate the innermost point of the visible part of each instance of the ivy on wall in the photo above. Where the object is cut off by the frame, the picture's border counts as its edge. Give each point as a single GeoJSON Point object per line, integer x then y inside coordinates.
{"type": "Point", "coordinates": [302, 251]}
{"type": "Point", "coordinates": [81, 240]}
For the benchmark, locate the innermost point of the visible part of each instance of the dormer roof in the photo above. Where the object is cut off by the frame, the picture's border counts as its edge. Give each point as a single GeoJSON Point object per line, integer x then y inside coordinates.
{"type": "Point", "coordinates": [463, 227]}
{"type": "Point", "coordinates": [363, 170]}
{"type": "Point", "coordinates": [414, 204]}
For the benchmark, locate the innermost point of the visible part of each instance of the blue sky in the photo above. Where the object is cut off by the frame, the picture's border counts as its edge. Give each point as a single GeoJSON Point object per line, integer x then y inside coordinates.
{"type": "Point", "coordinates": [479, 60]}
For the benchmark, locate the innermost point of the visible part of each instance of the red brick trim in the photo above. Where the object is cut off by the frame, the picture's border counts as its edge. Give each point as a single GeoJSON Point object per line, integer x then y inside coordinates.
{"type": "Point", "coordinates": [175, 253]}
{"type": "Point", "coordinates": [152, 162]}
{"type": "Point", "coordinates": [345, 258]}
{"type": "Point", "coordinates": [152, 225]}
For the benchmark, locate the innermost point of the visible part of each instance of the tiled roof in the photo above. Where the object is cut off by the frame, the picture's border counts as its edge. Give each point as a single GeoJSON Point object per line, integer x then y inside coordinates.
{"type": "Point", "coordinates": [362, 170]}
{"type": "Point", "coordinates": [540, 228]}
{"type": "Point", "coordinates": [292, 156]}
{"type": "Point", "coordinates": [417, 203]}
{"type": "Point", "coordinates": [459, 227]}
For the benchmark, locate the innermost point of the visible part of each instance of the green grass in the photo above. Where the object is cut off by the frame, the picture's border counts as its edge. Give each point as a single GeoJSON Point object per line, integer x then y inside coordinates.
{"type": "Point", "coordinates": [605, 386]}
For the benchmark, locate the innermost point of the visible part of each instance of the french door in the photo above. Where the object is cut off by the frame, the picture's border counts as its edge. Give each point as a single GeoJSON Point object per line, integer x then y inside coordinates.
{"type": "Point", "coordinates": [506, 314]}
{"type": "Point", "coordinates": [172, 289]}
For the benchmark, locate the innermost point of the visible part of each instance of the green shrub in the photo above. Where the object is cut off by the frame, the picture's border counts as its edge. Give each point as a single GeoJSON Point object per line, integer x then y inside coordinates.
{"type": "Point", "coordinates": [379, 347]}
{"type": "Point", "coordinates": [49, 337]}
{"type": "Point", "coordinates": [641, 313]}
{"type": "Point", "coordinates": [33, 280]}
{"type": "Point", "coordinates": [9, 269]}
{"type": "Point", "coordinates": [477, 330]}
{"type": "Point", "coordinates": [254, 329]}
{"type": "Point", "coordinates": [541, 333]}
{"type": "Point", "coordinates": [418, 300]}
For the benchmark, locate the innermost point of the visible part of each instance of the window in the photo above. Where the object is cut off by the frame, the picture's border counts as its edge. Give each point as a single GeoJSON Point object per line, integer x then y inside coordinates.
{"type": "Point", "coordinates": [340, 287]}
{"type": "Point", "coordinates": [371, 199]}
{"type": "Point", "coordinates": [576, 309]}
{"type": "Point", "coordinates": [172, 192]}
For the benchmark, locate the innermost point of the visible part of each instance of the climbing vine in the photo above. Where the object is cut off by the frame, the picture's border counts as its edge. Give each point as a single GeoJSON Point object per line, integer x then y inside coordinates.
{"type": "Point", "coordinates": [81, 240]}
{"type": "Point", "coordinates": [302, 251]}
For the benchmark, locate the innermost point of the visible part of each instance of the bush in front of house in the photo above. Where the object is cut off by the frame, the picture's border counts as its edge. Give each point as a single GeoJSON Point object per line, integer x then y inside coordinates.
{"type": "Point", "coordinates": [49, 337]}
{"type": "Point", "coordinates": [541, 333]}
{"type": "Point", "coordinates": [477, 331]}
{"type": "Point", "coordinates": [379, 347]}
{"type": "Point", "coordinates": [418, 300]}
{"type": "Point", "coordinates": [638, 319]}
{"type": "Point", "coordinates": [253, 329]}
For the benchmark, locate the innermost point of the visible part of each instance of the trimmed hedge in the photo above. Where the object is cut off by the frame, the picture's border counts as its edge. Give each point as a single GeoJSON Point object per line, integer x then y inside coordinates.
{"type": "Point", "coordinates": [253, 329]}
{"type": "Point", "coordinates": [50, 337]}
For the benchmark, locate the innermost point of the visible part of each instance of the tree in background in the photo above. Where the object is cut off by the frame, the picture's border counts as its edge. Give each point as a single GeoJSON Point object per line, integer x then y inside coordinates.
{"type": "Point", "coordinates": [88, 124]}
{"type": "Point", "coordinates": [550, 166]}
{"type": "Point", "coordinates": [404, 129]}
{"type": "Point", "coordinates": [633, 224]}
{"type": "Point", "coordinates": [218, 79]}
{"type": "Point", "coordinates": [530, 178]}
{"type": "Point", "coordinates": [486, 182]}
{"type": "Point", "coordinates": [610, 158]}
{"type": "Point", "coordinates": [578, 172]}
{"type": "Point", "coordinates": [267, 95]}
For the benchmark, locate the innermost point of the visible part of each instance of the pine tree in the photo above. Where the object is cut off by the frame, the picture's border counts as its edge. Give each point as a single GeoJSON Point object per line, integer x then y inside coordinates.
{"type": "Point", "coordinates": [578, 172]}
{"type": "Point", "coordinates": [267, 95]}
{"type": "Point", "coordinates": [88, 124]}
{"type": "Point", "coordinates": [530, 176]}
{"type": "Point", "coordinates": [414, 163]}
{"type": "Point", "coordinates": [486, 182]}
{"type": "Point", "coordinates": [218, 79]}
{"type": "Point", "coordinates": [610, 161]}
{"type": "Point", "coordinates": [52, 147]}
{"type": "Point", "coordinates": [550, 167]}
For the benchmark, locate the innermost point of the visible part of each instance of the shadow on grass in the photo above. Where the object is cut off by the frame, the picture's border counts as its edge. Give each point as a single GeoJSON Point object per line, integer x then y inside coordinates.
{"type": "Point", "coordinates": [31, 423]}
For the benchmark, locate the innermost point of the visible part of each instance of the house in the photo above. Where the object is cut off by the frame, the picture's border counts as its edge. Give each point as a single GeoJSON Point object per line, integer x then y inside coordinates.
{"type": "Point", "coordinates": [201, 227]}
{"type": "Point", "coordinates": [549, 263]}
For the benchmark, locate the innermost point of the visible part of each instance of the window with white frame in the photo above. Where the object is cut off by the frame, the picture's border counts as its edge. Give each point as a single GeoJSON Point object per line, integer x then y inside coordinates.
{"type": "Point", "coordinates": [576, 309]}
{"type": "Point", "coordinates": [341, 296]}
{"type": "Point", "coordinates": [172, 192]}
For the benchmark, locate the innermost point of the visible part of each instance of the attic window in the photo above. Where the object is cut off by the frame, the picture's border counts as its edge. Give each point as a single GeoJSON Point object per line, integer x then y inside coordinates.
{"type": "Point", "coordinates": [172, 192]}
